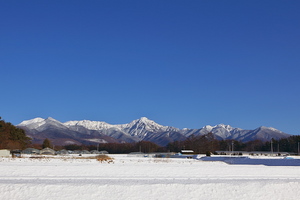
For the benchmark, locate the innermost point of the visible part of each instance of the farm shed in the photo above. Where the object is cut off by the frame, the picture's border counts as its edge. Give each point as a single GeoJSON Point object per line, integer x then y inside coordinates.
{"type": "Point", "coordinates": [31, 151]}
{"type": "Point", "coordinates": [47, 151]}
{"type": "Point", "coordinates": [103, 152]}
{"type": "Point", "coordinates": [4, 153]}
{"type": "Point", "coordinates": [187, 151]}
{"type": "Point", "coordinates": [63, 152]}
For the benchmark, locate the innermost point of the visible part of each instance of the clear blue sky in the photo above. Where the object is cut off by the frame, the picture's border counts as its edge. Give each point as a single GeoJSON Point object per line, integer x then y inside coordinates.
{"type": "Point", "coordinates": [179, 63]}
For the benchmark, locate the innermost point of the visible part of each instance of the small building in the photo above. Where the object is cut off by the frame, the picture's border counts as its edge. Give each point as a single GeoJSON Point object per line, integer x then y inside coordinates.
{"type": "Point", "coordinates": [47, 151]}
{"type": "Point", "coordinates": [136, 154]}
{"type": "Point", "coordinates": [103, 152]}
{"type": "Point", "coordinates": [63, 152]}
{"type": "Point", "coordinates": [85, 152]}
{"type": "Point", "coordinates": [187, 151]}
{"type": "Point", "coordinates": [268, 153]}
{"type": "Point", "coordinates": [31, 151]}
{"type": "Point", "coordinates": [190, 154]}
{"type": "Point", "coordinates": [252, 153]}
{"type": "Point", "coordinates": [4, 153]}
{"type": "Point", "coordinates": [235, 153]}
{"type": "Point", "coordinates": [95, 152]}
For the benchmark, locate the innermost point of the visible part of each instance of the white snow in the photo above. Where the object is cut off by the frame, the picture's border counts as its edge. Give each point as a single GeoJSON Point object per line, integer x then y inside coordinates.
{"type": "Point", "coordinates": [143, 178]}
{"type": "Point", "coordinates": [35, 120]}
{"type": "Point", "coordinates": [97, 140]}
{"type": "Point", "coordinates": [38, 122]}
{"type": "Point", "coordinates": [91, 125]}
{"type": "Point", "coordinates": [33, 123]}
{"type": "Point", "coordinates": [273, 129]}
{"type": "Point", "coordinates": [143, 122]}
{"type": "Point", "coordinates": [208, 127]}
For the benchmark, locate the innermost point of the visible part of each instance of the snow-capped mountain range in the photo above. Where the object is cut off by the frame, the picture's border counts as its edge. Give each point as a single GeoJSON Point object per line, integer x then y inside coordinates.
{"type": "Point", "coordinates": [91, 132]}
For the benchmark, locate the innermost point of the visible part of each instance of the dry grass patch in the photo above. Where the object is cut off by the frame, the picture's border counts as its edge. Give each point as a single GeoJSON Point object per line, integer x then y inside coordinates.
{"type": "Point", "coordinates": [104, 158]}
{"type": "Point", "coordinates": [101, 158]}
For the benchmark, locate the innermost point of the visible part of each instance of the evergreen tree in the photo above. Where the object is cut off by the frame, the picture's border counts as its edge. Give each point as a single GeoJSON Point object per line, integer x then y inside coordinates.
{"type": "Point", "coordinates": [46, 143]}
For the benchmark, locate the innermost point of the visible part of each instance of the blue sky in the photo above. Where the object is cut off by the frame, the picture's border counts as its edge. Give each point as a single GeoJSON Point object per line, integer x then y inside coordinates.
{"type": "Point", "coordinates": [179, 63]}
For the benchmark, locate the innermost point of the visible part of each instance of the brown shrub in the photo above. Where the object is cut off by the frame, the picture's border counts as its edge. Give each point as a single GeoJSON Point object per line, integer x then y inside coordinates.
{"type": "Point", "coordinates": [104, 158]}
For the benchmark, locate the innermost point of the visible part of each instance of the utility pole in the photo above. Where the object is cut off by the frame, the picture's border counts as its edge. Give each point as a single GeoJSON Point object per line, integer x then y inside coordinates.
{"type": "Point", "coordinates": [272, 147]}
{"type": "Point", "coordinates": [232, 143]}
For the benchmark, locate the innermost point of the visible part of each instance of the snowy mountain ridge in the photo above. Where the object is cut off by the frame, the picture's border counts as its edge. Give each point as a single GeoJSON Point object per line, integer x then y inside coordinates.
{"type": "Point", "coordinates": [91, 125]}
{"type": "Point", "coordinates": [137, 130]}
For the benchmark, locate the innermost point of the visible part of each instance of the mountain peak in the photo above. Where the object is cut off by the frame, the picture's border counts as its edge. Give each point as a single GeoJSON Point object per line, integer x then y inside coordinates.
{"type": "Point", "coordinates": [144, 118]}
{"type": "Point", "coordinates": [269, 128]}
{"type": "Point", "coordinates": [142, 121]}
{"type": "Point", "coordinates": [219, 126]}
{"type": "Point", "coordinates": [50, 119]}
{"type": "Point", "coordinates": [140, 127]}
{"type": "Point", "coordinates": [227, 127]}
{"type": "Point", "coordinates": [208, 128]}
{"type": "Point", "coordinates": [31, 121]}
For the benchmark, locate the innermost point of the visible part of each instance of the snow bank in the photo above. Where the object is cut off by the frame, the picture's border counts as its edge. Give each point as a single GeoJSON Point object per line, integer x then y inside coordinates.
{"type": "Point", "coordinates": [143, 178]}
{"type": "Point", "coordinates": [245, 160]}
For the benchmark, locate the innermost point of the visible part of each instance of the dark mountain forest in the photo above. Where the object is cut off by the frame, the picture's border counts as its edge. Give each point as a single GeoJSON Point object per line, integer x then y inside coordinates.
{"type": "Point", "coordinates": [12, 137]}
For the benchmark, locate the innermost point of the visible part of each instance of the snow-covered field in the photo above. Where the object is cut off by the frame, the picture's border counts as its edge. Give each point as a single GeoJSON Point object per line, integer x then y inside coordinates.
{"type": "Point", "coordinates": [144, 178]}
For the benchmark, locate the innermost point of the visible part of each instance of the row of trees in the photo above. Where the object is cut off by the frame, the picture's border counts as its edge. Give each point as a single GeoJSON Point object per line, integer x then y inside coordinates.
{"type": "Point", "coordinates": [200, 144]}
{"type": "Point", "coordinates": [207, 143]}
{"type": "Point", "coordinates": [115, 148]}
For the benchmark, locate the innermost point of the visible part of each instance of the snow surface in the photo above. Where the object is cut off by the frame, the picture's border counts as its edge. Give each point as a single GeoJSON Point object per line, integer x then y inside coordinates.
{"type": "Point", "coordinates": [91, 125]}
{"type": "Point", "coordinates": [143, 178]}
{"type": "Point", "coordinates": [33, 123]}
{"type": "Point", "coordinates": [35, 120]}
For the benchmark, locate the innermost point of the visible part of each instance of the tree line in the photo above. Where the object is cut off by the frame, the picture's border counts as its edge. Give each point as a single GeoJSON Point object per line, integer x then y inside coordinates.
{"type": "Point", "coordinates": [120, 148]}
{"type": "Point", "coordinates": [199, 144]}
{"type": "Point", "coordinates": [207, 143]}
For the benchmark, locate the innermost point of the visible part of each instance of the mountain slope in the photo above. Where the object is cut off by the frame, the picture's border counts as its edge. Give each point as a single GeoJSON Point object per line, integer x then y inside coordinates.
{"type": "Point", "coordinates": [39, 129]}
{"type": "Point", "coordinates": [91, 132]}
